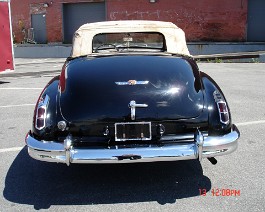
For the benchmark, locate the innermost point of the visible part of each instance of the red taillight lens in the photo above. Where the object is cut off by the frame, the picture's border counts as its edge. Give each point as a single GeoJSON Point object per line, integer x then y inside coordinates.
{"type": "Point", "coordinates": [41, 111]}
{"type": "Point", "coordinates": [222, 107]}
{"type": "Point", "coordinates": [62, 81]}
{"type": "Point", "coordinates": [223, 112]}
{"type": "Point", "coordinates": [40, 123]}
{"type": "Point", "coordinates": [40, 118]}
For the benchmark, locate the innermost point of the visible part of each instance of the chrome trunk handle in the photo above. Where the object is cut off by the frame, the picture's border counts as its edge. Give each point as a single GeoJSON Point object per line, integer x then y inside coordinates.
{"type": "Point", "coordinates": [133, 107]}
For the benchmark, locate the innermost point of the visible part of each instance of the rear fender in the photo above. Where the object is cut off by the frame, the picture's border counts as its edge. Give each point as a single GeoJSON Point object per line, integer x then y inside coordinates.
{"type": "Point", "coordinates": [216, 127]}
{"type": "Point", "coordinates": [51, 89]}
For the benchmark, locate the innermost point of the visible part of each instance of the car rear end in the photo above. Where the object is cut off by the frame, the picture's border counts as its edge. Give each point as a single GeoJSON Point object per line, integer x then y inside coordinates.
{"type": "Point", "coordinates": [134, 108]}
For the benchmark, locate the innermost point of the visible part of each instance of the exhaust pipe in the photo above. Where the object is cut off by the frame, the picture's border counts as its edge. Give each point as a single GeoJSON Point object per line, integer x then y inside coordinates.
{"type": "Point", "coordinates": [212, 160]}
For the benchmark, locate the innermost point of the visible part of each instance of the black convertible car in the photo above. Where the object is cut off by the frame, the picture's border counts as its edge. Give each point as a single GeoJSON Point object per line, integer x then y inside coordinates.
{"type": "Point", "coordinates": [130, 92]}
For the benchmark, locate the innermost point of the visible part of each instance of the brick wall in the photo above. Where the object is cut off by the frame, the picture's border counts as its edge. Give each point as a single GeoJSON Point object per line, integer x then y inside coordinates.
{"type": "Point", "coordinates": [21, 17]}
{"type": "Point", "coordinates": [203, 20]}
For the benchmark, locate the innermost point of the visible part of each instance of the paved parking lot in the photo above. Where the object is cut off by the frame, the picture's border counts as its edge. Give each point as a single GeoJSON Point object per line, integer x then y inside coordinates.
{"type": "Point", "coordinates": [29, 185]}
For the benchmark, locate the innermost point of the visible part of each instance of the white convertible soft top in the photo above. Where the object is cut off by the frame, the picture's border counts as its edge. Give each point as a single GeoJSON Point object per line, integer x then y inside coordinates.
{"type": "Point", "coordinates": [174, 36]}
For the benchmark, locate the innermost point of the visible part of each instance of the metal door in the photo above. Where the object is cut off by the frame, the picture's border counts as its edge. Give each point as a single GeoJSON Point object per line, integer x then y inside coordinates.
{"type": "Point", "coordinates": [38, 23]}
{"type": "Point", "coordinates": [74, 15]}
{"type": "Point", "coordinates": [256, 20]}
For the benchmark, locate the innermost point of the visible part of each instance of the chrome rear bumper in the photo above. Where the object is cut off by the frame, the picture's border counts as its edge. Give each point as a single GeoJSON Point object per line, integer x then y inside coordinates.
{"type": "Point", "coordinates": [202, 147]}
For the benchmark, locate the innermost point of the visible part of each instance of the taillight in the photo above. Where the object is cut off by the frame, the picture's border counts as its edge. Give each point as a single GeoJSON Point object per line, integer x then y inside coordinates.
{"type": "Point", "coordinates": [223, 112]}
{"type": "Point", "coordinates": [62, 81]}
{"type": "Point", "coordinates": [222, 107]}
{"type": "Point", "coordinates": [41, 113]}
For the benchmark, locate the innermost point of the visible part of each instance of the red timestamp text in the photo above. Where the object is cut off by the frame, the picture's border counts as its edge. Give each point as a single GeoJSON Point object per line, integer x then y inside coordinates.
{"type": "Point", "coordinates": [222, 192]}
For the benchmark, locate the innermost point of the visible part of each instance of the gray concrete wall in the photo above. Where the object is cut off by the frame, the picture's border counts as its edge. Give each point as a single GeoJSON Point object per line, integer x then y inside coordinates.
{"type": "Point", "coordinates": [219, 48]}
{"type": "Point", "coordinates": [42, 51]}
{"type": "Point", "coordinates": [63, 51]}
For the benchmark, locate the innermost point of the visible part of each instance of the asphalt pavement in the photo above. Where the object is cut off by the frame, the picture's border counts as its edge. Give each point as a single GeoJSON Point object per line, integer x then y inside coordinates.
{"type": "Point", "coordinates": [235, 183]}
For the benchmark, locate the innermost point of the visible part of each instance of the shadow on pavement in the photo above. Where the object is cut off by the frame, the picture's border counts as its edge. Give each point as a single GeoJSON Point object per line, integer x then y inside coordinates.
{"type": "Point", "coordinates": [44, 184]}
{"type": "Point", "coordinates": [3, 82]}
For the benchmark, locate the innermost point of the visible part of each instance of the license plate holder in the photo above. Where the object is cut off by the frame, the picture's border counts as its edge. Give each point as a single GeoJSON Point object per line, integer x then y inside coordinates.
{"type": "Point", "coordinates": [133, 131]}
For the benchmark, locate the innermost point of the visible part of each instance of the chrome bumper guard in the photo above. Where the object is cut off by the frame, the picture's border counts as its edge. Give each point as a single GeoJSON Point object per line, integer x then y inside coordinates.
{"type": "Point", "coordinates": [202, 147]}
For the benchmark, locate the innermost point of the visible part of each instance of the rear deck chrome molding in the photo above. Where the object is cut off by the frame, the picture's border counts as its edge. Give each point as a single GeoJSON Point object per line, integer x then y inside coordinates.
{"type": "Point", "coordinates": [202, 147]}
{"type": "Point", "coordinates": [132, 82]}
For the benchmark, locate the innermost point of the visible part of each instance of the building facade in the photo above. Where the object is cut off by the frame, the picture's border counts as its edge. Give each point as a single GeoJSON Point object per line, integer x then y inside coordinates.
{"type": "Point", "coordinates": [54, 21]}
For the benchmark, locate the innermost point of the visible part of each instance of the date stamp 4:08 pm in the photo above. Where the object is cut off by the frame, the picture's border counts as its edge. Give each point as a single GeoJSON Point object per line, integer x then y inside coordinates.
{"type": "Point", "coordinates": [220, 192]}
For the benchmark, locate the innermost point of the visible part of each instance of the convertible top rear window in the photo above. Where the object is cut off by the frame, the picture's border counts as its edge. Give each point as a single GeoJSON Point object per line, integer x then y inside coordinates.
{"type": "Point", "coordinates": [134, 40]}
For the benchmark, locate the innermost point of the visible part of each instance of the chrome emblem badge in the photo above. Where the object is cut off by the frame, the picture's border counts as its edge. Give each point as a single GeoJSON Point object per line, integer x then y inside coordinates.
{"type": "Point", "coordinates": [132, 82]}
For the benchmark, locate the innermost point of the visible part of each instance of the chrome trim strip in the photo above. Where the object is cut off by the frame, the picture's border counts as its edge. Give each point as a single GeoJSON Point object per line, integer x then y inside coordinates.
{"type": "Point", "coordinates": [68, 144]}
{"type": "Point", "coordinates": [134, 83]}
{"type": "Point", "coordinates": [198, 138]}
{"type": "Point", "coordinates": [65, 153]}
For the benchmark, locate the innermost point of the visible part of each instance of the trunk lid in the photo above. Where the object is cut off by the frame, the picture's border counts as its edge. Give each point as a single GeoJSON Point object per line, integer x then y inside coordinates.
{"type": "Point", "coordinates": [98, 90]}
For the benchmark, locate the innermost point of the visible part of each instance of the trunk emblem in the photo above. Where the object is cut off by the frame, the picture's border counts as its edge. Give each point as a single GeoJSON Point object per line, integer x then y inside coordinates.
{"type": "Point", "coordinates": [133, 107]}
{"type": "Point", "coordinates": [132, 82]}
